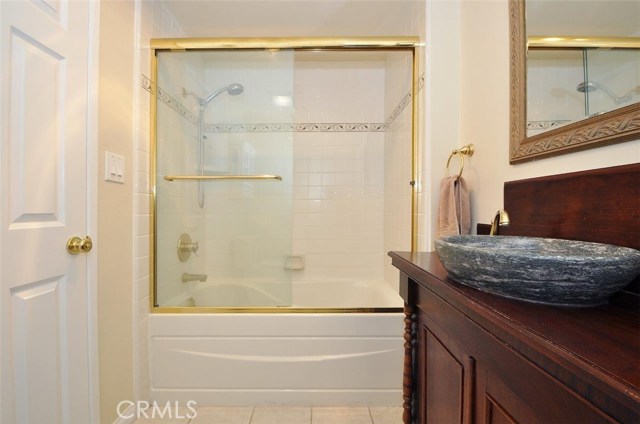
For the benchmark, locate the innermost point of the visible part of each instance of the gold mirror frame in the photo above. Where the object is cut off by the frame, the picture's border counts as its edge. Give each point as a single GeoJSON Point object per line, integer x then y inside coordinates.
{"type": "Point", "coordinates": [616, 126]}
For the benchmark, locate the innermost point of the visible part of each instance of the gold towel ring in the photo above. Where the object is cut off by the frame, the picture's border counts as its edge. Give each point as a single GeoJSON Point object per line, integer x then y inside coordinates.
{"type": "Point", "coordinates": [467, 150]}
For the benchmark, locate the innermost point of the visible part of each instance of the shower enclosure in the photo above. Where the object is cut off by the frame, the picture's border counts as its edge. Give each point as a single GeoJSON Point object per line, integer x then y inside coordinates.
{"type": "Point", "coordinates": [284, 170]}
{"type": "Point", "coordinates": [282, 173]}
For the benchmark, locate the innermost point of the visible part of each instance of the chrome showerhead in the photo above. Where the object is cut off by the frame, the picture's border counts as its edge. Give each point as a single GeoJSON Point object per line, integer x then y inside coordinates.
{"type": "Point", "coordinates": [591, 86]}
{"type": "Point", "coordinates": [233, 90]}
{"type": "Point", "coordinates": [587, 87]}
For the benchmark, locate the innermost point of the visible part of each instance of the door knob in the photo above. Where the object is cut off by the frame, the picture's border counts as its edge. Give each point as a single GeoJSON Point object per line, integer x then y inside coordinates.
{"type": "Point", "coordinates": [77, 245]}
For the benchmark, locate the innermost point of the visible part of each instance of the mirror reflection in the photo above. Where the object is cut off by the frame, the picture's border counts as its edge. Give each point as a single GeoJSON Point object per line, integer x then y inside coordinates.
{"type": "Point", "coordinates": [583, 59]}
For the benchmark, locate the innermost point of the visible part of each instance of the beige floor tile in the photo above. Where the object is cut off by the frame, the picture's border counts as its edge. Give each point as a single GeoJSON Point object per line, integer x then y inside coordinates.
{"type": "Point", "coordinates": [281, 415]}
{"type": "Point", "coordinates": [341, 415]}
{"type": "Point", "coordinates": [164, 420]}
{"type": "Point", "coordinates": [162, 415]}
{"type": "Point", "coordinates": [223, 415]}
{"type": "Point", "coordinates": [386, 414]}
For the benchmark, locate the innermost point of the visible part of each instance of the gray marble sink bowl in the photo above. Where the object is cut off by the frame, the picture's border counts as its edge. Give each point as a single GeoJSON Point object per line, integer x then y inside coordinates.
{"type": "Point", "coordinates": [541, 270]}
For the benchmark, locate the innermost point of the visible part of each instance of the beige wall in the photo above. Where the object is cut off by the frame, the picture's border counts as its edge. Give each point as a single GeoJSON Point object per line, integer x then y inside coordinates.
{"type": "Point", "coordinates": [441, 116]}
{"type": "Point", "coordinates": [115, 206]}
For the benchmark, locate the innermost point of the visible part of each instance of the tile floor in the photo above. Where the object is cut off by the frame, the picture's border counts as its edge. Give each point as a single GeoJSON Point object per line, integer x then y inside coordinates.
{"type": "Point", "coordinates": [287, 415]}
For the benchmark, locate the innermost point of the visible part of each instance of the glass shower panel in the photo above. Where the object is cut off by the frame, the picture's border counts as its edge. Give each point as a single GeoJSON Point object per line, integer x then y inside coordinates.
{"type": "Point", "coordinates": [569, 84]}
{"type": "Point", "coordinates": [231, 188]}
{"type": "Point", "coordinates": [612, 79]}
{"type": "Point", "coordinates": [552, 99]}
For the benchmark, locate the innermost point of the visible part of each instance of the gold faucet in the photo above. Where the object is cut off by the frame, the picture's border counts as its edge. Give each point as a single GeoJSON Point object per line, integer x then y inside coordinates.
{"type": "Point", "coordinates": [500, 220]}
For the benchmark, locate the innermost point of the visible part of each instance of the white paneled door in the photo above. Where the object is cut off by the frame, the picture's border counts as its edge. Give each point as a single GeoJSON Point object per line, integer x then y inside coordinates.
{"type": "Point", "coordinates": [45, 313]}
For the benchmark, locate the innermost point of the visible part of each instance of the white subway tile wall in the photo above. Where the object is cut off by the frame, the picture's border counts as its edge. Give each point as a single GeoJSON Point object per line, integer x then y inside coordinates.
{"type": "Point", "coordinates": [153, 20]}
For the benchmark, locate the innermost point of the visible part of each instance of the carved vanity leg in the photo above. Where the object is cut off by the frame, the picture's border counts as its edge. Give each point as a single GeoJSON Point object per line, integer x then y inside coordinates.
{"type": "Point", "coordinates": [407, 382]}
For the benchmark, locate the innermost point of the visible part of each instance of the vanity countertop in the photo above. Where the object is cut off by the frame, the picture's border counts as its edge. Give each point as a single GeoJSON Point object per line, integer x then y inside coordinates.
{"type": "Point", "coordinates": [597, 346]}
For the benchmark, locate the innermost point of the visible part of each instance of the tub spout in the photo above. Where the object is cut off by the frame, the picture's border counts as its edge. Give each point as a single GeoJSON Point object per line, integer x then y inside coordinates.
{"type": "Point", "coordinates": [186, 277]}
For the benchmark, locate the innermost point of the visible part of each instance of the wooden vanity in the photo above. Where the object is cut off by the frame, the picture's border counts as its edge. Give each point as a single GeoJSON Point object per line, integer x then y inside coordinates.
{"type": "Point", "coordinates": [479, 358]}
{"type": "Point", "coordinates": [473, 357]}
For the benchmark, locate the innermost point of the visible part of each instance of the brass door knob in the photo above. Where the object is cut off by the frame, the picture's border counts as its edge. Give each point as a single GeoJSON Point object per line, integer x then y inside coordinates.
{"type": "Point", "coordinates": [77, 245]}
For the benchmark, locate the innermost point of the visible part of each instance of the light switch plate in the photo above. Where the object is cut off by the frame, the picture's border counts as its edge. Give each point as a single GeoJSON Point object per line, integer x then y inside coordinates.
{"type": "Point", "coordinates": [114, 167]}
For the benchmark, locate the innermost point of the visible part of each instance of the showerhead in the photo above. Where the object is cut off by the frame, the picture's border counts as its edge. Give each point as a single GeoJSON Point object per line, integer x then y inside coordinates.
{"type": "Point", "coordinates": [587, 87]}
{"type": "Point", "coordinates": [591, 86]}
{"type": "Point", "coordinates": [233, 90]}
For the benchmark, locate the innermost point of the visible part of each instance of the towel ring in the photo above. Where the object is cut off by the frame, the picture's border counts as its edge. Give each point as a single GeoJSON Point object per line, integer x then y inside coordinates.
{"type": "Point", "coordinates": [467, 150]}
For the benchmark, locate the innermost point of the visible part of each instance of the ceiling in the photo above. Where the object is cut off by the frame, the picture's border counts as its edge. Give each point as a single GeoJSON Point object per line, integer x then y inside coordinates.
{"type": "Point", "coordinates": [610, 18]}
{"type": "Point", "coordinates": [299, 18]}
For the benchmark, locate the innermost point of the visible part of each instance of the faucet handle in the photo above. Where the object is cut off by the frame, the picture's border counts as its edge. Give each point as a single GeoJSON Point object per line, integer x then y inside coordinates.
{"type": "Point", "coordinates": [186, 246]}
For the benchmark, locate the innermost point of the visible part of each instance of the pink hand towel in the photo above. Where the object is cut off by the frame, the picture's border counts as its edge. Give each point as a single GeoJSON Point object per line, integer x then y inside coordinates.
{"type": "Point", "coordinates": [454, 212]}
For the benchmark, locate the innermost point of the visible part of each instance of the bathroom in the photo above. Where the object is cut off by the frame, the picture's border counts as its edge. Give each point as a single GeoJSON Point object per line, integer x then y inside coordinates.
{"type": "Point", "coordinates": [464, 99]}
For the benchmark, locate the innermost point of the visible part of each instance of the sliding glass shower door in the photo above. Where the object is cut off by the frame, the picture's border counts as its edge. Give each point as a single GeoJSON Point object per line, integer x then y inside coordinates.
{"type": "Point", "coordinates": [224, 178]}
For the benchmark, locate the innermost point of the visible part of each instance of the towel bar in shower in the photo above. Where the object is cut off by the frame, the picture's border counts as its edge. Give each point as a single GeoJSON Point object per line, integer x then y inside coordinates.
{"type": "Point", "coordinates": [222, 177]}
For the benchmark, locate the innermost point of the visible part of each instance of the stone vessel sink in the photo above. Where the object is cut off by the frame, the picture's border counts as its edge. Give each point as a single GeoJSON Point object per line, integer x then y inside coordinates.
{"type": "Point", "coordinates": [541, 270]}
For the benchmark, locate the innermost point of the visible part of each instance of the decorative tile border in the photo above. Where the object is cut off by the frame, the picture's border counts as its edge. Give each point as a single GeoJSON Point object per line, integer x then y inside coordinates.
{"type": "Point", "coordinates": [546, 125]}
{"type": "Point", "coordinates": [165, 98]}
{"type": "Point", "coordinates": [406, 100]}
{"type": "Point", "coordinates": [177, 106]}
{"type": "Point", "coordinates": [146, 83]}
{"type": "Point", "coordinates": [290, 127]}
{"type": "Point", "coordinates": [174, 104]}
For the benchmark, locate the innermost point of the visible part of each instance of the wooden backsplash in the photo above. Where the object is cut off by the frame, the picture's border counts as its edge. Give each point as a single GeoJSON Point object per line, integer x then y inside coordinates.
{"type": "Point", "coordinates": [600, 205]}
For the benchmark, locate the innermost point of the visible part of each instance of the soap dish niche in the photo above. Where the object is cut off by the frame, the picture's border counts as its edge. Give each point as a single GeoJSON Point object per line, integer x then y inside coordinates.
{"type": "Point", "coordinates": [294, 262]}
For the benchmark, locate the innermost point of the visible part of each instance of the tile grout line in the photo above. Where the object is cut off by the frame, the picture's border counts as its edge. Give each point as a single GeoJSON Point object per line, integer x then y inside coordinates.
{"type": "Point", "coordinates": [253, 411]}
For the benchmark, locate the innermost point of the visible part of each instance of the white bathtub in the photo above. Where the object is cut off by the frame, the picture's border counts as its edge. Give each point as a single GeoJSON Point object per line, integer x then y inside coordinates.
{"type": "Point", "coordinates": [341, 294]}
{"type": "Point", "coordinates": [307, 359]}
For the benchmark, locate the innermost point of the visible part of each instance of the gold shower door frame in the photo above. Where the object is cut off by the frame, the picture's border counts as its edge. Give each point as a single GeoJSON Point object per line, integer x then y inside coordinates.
{"type": "Point", "coordinates": [403, 43]}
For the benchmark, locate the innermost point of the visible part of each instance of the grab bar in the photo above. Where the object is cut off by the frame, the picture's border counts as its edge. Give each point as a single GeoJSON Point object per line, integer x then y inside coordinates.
{"type": "Point", "coordinates": [222, 177]}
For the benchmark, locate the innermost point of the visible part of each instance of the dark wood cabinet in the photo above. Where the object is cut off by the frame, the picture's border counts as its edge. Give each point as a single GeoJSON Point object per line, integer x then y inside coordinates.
{"type": "Point", "coordinates": [478, 358]}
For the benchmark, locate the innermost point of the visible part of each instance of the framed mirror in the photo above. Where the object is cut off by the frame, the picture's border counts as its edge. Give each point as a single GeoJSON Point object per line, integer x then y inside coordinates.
{"type": "Point", "coordinates": [604, 125]}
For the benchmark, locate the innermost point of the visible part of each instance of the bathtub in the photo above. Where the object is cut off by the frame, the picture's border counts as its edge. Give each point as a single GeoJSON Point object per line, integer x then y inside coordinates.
{"type": "Point", "coordinates": [337, 294]}
{"type": "Point", "coordinates": [295, 358]}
